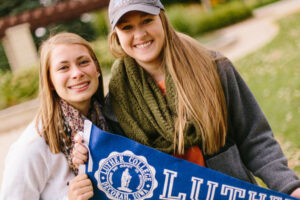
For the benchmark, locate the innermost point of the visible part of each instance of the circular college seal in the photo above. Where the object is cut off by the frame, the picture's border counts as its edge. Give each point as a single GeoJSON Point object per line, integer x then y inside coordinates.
{"type": "Point", "coordinates": [126, 176]}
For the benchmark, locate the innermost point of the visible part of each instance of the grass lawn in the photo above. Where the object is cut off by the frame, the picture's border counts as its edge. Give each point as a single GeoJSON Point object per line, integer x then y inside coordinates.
{"type": "Point", "coordinates": [273, 75]}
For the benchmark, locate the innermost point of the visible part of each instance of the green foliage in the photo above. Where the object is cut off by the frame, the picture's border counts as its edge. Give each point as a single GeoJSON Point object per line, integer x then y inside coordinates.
{"type": "Point", "coordinates": [18, 87]}
{"type": "Point", "coordinates": [100, 47]}
{"type": "Point", "coordinates": [4, 66]}
{"type": "Point", "coordinates": [192, 20]}
{"type": "Point", "coordinates": [100, 22]}
{"type": "Point", "coordinates": [12, 7]}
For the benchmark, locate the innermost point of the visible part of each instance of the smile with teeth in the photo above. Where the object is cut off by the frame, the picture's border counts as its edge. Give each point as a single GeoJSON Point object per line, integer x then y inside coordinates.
{"type": "Point", "coordinates": [78, 86]}
{"type": "Point", "coordinates": [139, 46]}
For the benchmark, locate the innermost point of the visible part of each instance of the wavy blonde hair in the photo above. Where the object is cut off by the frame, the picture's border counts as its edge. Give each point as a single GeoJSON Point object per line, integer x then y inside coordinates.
{"type": "Point", "coordinates": [191, 66]}
{"type": "Point", "coordinates": [49, 122]}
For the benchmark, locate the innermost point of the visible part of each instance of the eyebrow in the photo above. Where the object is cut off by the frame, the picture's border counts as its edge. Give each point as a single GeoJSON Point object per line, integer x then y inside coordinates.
{"type": "Point", "coordinates": [78, 58]}
{"type": "Point", "coordinates": [142, 14]}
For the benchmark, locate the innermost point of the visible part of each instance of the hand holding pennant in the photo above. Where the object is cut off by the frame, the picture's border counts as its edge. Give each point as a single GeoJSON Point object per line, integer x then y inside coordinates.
{"type": "Point", "coordinates": [120, 168]}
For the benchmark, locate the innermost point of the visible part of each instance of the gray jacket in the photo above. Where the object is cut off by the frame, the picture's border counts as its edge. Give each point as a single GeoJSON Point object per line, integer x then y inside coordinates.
{"type": "Point", "coordinates": [250, 146]}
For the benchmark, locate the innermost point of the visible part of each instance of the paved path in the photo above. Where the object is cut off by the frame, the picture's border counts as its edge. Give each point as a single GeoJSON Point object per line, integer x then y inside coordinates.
{"type": "Point", "coordinates": [251, 34]}
{"type": "Point", "coordinates": [238, 40]}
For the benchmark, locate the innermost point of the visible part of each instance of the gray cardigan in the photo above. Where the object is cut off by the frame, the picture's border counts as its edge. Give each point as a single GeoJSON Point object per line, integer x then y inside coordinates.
{"type": "Point", "coordinates": [250, 147]}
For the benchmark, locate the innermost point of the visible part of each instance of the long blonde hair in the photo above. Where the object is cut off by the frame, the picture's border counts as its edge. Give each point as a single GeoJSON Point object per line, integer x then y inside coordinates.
{"type": "Point", "coordinates": [49, 122]}
{"type": "Point", "coordinates": [200, 96]}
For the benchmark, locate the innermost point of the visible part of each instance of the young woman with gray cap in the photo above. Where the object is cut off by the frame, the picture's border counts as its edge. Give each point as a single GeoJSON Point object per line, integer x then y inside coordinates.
{"type": "Point", "coordinates": [172, 94]}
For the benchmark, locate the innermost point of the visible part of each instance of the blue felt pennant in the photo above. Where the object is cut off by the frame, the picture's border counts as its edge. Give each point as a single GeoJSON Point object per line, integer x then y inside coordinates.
{"type": "Point", "coordinates": [121, 169]}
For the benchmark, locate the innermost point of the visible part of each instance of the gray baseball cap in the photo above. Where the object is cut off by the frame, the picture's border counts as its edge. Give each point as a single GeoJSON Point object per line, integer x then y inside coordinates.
{"type": "Point", "coordinates": [118, 8]}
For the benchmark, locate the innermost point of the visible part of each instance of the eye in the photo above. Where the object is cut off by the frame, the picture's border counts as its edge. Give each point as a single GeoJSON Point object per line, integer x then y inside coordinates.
{"type": "Point", "coordinates": [127, 27]}
{"type": "Point", "coordinates": [62, 68]}
{"type": "Point", "coordinates": [83, 62]}
{"type": "Point", "coordinates": [147, 21]}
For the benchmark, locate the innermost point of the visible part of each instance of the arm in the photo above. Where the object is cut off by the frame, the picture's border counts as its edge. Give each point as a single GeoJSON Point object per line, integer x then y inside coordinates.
{"type": "Point", "coordinates": [249, 128]}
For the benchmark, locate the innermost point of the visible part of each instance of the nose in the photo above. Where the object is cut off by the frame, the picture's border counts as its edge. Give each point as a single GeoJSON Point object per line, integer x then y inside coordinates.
{"type": "Point", "coordinates": [140, 33]}
{"type": "Point", "coordinates": [77, 73]}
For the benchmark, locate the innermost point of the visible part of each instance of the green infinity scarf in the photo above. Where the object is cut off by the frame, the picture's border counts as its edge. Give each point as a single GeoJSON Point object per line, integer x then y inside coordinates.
{"type": "Point", "coordinates": [144, 113]}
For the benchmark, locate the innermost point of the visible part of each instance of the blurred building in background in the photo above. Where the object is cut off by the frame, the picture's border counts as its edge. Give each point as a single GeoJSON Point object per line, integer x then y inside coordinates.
{"type": "Point", "coordinates": [15, 31]}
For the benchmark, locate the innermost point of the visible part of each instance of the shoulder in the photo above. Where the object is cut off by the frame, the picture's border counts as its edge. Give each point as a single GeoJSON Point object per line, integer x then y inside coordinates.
{"type": "Point", "coordinates": [111, 117]}
{"type": "Point", "coordinates": [224, 65]}
{"type": "Point", "coordinates": [227, 72]}
{"type": "Point", "coordinates": [28, 149]}
{"type": "Point", "coordinates": [108, 108]}
{"type": "Point", "coordinates": [117, 64]}
{"type": "Point", "coordinates": [122, 62]}
{"type": "Point", "coordinates": [29, 140]}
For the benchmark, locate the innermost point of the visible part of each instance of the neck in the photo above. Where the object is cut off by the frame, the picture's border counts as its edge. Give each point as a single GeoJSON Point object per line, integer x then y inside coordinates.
{"type": "Point", "coordinates": [155, 70]}
{"type": "Point", "coordinates": [83, 107]}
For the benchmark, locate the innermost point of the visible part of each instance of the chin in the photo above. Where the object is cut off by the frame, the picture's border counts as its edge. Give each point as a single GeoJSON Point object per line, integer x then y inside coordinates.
{"type": "Point", "coordinates": [82, 99]}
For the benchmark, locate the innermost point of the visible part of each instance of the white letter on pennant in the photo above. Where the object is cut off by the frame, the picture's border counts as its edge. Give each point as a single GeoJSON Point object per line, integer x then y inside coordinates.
{"type": "Point", "coordinates": [211, 190]}
{"type": "Point", "coordinates": [252, 195]}
{"type": "Point", "coordinates": [168, 187]}
{"type": "Point", "coordinates": [196, 188]}
{"type": "Point", "coordinates": [233, 191]}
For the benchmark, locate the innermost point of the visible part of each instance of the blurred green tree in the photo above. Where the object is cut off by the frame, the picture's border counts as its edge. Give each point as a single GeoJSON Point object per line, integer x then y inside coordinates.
{"type": "Point", "coordinates": [4, 66]}
{"type": "Point", "coordinates": [12, 7]}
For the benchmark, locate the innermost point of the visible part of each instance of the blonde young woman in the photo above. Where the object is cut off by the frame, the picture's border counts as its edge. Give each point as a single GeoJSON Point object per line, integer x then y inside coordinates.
{"type": "Point", "coordinates": [170, 93]}
{"type": "Point", "coordinates": [38, 165]}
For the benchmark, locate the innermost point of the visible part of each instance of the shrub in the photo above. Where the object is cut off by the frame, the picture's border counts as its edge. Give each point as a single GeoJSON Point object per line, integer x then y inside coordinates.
{"type": "Point", "coordinates": [100, 23]}
{"type": "Point", "coordinates": [18, 87]}
{"type": "Point", "coordinates": [193, 20]}
{"type": "Point", "coordinates": [4, 66]}
{"type": "Point", "coordinates": [182, 20]}
{"type": "Point", "coordinates": [100, 47]}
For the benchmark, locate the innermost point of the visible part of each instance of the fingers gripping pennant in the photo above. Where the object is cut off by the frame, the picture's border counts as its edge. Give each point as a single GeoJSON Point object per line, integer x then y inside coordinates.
{"type": "Point", "coordinates": [120, 169]}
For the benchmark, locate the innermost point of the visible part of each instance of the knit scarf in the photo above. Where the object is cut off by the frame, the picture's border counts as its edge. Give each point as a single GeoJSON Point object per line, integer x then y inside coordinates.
{"type": "Point", "coordinates": [144, 113]}
{"type": "Point", "coordinates": [73, 122]}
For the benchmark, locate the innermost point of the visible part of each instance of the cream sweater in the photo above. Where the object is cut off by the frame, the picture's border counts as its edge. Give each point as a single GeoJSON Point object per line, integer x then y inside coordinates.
{"type": "Point", "coordinates": [33, 172]}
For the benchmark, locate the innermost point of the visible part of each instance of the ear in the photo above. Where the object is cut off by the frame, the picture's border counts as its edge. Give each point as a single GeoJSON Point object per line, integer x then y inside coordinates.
{"type": "Point", "coordinates": [117, 38]}
{"type": "Point", "coordinates": [51, 86]}
{"type": "Point", "coordinates": [98, 68]}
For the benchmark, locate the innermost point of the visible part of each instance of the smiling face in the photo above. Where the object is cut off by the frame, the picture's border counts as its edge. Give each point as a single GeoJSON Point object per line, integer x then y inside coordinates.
{"type": "Point", "coordinates": [141, 36]}
{"type": "Point", "coordinates": [73, 74]}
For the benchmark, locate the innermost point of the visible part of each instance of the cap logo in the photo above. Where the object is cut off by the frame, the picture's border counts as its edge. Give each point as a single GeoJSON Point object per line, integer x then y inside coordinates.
{"type": "Point", "coordinates": [119, 3]}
